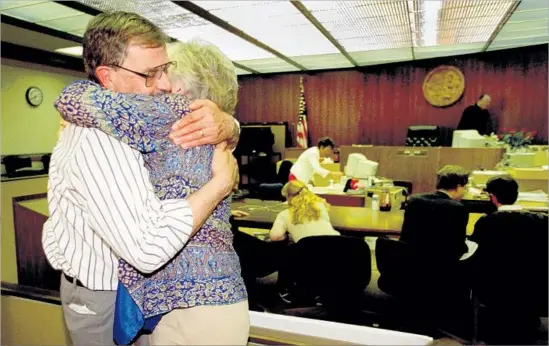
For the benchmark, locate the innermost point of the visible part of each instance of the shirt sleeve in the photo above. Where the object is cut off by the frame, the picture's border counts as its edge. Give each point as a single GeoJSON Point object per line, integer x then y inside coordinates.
{"type": "Point", "coordinates": [280, 228]}
{"type": "Point", "coordinates": [314, 160]}
{"type": "Point", "coordinates": [121, 205]}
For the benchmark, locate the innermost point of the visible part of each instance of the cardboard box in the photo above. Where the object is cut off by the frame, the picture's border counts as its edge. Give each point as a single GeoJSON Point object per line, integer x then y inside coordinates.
{"type": "Point", "coordinates": [396, 194]}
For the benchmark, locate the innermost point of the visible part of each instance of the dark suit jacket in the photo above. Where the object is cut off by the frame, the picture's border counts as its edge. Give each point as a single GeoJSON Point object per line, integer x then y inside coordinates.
{"type": "Point", "coordinates": [510, 264]}
{"type": "Point", "coordinates": [476, 118]}
{"type": "Point", "coordinates": [436, 225]}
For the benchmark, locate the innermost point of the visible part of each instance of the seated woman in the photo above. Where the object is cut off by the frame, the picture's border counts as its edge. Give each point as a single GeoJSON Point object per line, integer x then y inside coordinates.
{"type": "Point", "coordinates": [306, 216]}
{"type": "Point", "coordinates": [201, 288]}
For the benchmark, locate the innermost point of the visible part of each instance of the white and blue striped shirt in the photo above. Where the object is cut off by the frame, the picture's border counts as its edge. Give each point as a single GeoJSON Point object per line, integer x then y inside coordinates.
{"type": "Point", "coordinates": [103, 207]}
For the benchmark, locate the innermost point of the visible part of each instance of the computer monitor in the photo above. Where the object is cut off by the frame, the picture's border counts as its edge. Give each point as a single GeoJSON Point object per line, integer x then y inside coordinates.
{"type": "Point", "coordinates": [358, 166]}
{"type": "Point", "coordinates": [468, 139]}
{"type": "Point", "coordinates": [365, 169]}
{"type": "Point", "coordinates": [352, 163]}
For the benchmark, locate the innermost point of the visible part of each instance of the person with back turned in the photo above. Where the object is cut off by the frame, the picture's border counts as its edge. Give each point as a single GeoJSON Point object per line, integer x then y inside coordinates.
{"type": "Point", "coordinates": [477, 117]}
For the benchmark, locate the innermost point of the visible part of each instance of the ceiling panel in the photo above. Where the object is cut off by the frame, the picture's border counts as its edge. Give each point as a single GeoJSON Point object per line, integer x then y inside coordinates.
{"type": "Point", "coordinates": [321, 62]}
{"type": "Point", "coordinates": [69, 24]}
{"type": "Point", "coordinates": [522, 34]}
{"type": "Point", "coordinates": [278, 24]}
{"type": "Point", "coordinates": [470, 21]}
{"type": "Point", "coordinates": [448, 50]}
{"type": "Point", "coordinates": [383, 56]}
{"type": "Point", "coordinates": [528, 15]}
{"type": "Point", "coordinates": [240, 71]}
{"type": "Point", "coordinates": [41, 12]}
{"type": "Point", "coordinates": [270, 65]}
{"type": "Point", "coordinates": [184, 25]}
{"type": "Point", "coordinates": [532, 4]}
{"type": "Point", "coordinates": [373, 32]}
{"type": "Point", "coordinates": [364, 25]}
{"type": "Point", "coordinates": [6, 4]}
{"type": "Point", "coordinates": [517, 42]}
{"type": "Point", "coordinates": [32, 39]}
{"type": "Point", "coordinates": [525, 25]}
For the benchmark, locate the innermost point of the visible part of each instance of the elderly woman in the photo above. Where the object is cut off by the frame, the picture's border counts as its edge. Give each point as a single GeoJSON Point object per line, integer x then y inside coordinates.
{"type": "Point", "coordinates": [199, 297]}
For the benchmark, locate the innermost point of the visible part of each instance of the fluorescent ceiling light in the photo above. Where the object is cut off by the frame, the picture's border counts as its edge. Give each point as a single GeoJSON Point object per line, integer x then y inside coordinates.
{"type": "Point", "coordinates": [431, 15]}
{"type": "Point", "coordinates": [74, 51]}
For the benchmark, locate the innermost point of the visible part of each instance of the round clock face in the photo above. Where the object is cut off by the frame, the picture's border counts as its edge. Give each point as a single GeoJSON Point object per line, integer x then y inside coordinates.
{"type": "Point", "coordinates": [34, 96]}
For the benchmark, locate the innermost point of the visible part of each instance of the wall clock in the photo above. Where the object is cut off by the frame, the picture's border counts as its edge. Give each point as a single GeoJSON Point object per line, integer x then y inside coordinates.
{"type": "Point", "coordinates": [443, 86]}
{"type": "Point", "coordinates": [34, 96]}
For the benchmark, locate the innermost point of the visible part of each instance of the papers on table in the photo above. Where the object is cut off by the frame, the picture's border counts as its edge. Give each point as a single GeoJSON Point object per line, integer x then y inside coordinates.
{"type": "Point", "coordinates": [534, 196]}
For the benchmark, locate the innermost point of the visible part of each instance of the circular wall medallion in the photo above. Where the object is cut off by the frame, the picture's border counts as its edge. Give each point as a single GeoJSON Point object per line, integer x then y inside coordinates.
{"type": "Point", "coordinates": [443, 86]}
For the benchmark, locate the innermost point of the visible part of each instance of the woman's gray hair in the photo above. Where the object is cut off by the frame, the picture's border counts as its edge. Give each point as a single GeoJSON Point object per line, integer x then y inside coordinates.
{"type": "Point", "coordinates": [206, 72]}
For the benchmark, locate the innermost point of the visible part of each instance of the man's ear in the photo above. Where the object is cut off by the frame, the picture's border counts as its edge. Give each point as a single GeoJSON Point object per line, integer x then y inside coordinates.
{"type": "Point", "coordinates": [105, 76]}
{"type": "Point", "coordinates": [493, 199]}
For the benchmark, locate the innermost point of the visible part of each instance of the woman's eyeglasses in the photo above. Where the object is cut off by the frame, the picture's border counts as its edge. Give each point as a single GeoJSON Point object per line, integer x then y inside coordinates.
{"type": "Point", "coordinates": [153, 75]}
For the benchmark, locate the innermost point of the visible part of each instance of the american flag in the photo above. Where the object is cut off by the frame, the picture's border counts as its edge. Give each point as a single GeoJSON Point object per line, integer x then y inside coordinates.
{"type": "Point", "coordinates": [302, 130]}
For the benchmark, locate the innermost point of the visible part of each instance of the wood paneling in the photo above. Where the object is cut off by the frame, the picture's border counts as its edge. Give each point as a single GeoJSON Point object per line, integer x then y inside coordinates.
{"type": "Point", "coordinates": [377, 104]}
{"type": "Point", "coordinates": [13, 189]}
{"type": "Point", "coordinates": [33, 268]}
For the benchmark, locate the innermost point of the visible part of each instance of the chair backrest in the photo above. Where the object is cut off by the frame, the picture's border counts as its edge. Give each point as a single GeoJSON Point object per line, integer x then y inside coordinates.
{"type": "Point", "coordinates": [511, 268]}
{"type": "Point", "coordinates": [423, 136]}
{"type": "Point", "coordinates": [284, 171]}
{"type": "Point", "coordinates": [333, 267]}
{"type": "Point", "coordinates": [258, 258]}
{"type": "Point", "coordinates": [407, 184]}
{"type": "Point", "coordinates": [406, 271]}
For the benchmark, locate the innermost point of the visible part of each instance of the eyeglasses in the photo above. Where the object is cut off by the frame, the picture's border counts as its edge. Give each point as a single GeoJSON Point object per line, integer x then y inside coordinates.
{"type": "Point", "coordinates": [153, 75]}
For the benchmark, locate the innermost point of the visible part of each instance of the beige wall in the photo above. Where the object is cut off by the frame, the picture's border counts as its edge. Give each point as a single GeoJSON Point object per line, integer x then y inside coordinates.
{"type": "Point", "coordinates": [27, 129]}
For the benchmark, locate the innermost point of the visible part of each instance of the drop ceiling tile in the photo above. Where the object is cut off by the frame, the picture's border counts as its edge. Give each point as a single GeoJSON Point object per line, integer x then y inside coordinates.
{"type": "Point", "coordinates": [528, 15]}
{"type": "Point", "coordinates": [7, 4]}
{"type": "Point", "coordinates": [278, 24]}
{"type": "Point", "coordinates": [75, 23]}
{"type": "Point", "coordinates": [532, 5]}
{"type": "Point", "coordinates": [383, 56]}
{"type": "Point", "coordinates": [518, 42]}
{"type": "Point", "coordinates": [324, 61]}
{"type": "Point", "coordinates": [447, 50]}
{"type": "Point", "coordinates": [41, 12]}
{"type": "Point", "coordinates": [271, 65]}
{"type": "Point", "coordinates": [241, 72]}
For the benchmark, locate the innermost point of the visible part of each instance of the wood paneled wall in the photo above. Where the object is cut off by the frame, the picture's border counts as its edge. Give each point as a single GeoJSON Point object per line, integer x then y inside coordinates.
{"type": "Point", "coordinates": [377, 104]}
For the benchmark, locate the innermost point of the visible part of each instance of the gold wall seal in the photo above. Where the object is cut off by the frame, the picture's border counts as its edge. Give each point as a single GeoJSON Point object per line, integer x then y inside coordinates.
{"type": "Point", "coordinates": [443, 86]}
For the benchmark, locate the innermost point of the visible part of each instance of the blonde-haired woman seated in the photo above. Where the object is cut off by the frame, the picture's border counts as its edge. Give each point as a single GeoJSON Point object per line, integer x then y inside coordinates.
{"type": "Point", "coordinates": [306, 216]}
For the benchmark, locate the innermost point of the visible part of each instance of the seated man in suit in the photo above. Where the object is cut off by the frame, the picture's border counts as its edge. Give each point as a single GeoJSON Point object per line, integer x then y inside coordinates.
{"type": "Point", "coordinates": [510, 265]}
{"type": "Point", "coordinates": [435, 223]}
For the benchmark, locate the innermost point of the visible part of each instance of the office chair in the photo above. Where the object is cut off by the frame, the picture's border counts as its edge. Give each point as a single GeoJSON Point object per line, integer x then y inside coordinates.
{"type": "Point", "coordinates": [333, 269]}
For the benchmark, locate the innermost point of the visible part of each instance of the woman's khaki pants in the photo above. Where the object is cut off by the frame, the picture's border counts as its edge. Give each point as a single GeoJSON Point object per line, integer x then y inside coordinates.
{"type": "Point", "coordinates": [204, 325]}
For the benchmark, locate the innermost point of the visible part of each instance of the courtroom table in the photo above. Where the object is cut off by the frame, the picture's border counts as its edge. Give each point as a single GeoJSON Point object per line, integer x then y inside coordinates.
{"type": "Point", "coordinates": [353, 221]}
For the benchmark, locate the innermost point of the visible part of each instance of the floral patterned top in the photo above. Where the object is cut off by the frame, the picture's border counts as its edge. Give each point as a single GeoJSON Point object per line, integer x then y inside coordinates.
{"type": "Point", "coordinates": [207, 270]}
